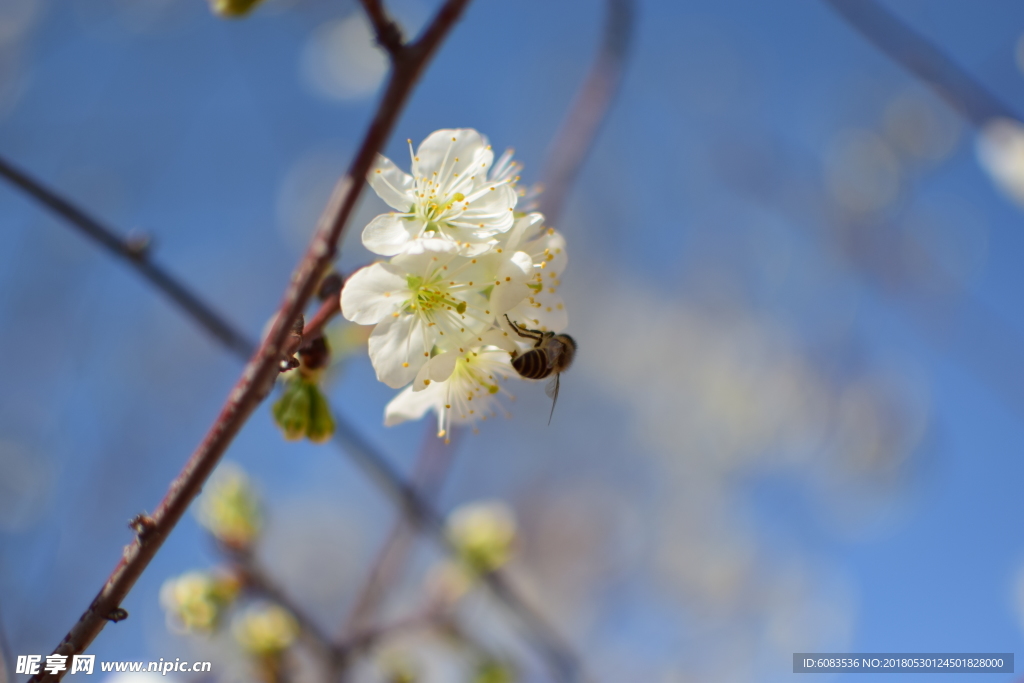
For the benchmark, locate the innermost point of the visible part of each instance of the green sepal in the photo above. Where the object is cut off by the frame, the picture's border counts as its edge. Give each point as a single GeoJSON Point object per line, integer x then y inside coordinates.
{"type": "Point", "coordinates": [303, 411]}
{"type": "Point", "coordinates": [233, 8]}
{"type": "Point", "coordinates": [291, 411]}
{"type": "Point", "coordinates": [321, 423]}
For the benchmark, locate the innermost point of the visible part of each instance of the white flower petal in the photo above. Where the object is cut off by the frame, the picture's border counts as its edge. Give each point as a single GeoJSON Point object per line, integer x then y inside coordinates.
{"type": "Point", "coordinates": [543, 311]}
{"type": "Point", "coordinates": [389, 233]}
{"type": "Point", "coordinates": [523, 229]}
{"type": "Point", "coordinates": [419, 256]}
{"type": "Point", "coordinates": [437, 369]}
{"type": "Point", "coordinates": [438, 154]}
{"type": "Point", "coordinates": [500, 338]}
{"type": "Point", "coordinates": [549, 249]}
{"type": "Point", "coordinates": [372, 293]}
{"type": "Point", "coordinates": [394, 186]}
{"type": "Point", "coordinates": [490, 209]}
{"type": "Point", "coordinates": [399, 346]}
{"type": "Point", "coordinates": [410, 405]}
{"type": "Point", "coordinates": [511, 279]}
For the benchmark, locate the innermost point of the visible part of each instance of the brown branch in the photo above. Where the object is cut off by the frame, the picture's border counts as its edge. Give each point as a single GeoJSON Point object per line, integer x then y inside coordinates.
{"type": "Point", "coordinates": [328, 309]}
{"type": "Point", "coordinates": [369, 636]}
{"type": "Point", "coordinates": [557, 653]}
{"type": "Point", "coordinates": [921, 57]}
{"type": "Point", "coordinates": [389, 34]}
{"type": "Point", "coordinates": [135, 253]}
{"type": "Point", "coordinates": [432, 465]}
{"type": "Point", "coordinates": [259, 373]}
{"type": "Point", "coordinates": [575, 137]}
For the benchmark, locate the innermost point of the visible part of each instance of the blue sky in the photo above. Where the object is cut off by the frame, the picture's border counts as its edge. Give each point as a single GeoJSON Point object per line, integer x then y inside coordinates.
{"type": "Point", "coordinates": [209, 135]}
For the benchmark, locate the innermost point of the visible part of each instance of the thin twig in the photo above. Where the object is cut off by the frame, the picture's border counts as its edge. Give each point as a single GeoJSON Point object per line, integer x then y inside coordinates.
{"type": "Point", "coordinates": [575, 136]}
{"type": "Point", "coordinates": [328, 309]}
{"type": "Point", "coordinates": [389, 35]}
{"type": "Point", "coordinates": [556, 652]}
{"type": "Point", "coordinates": [258, 376]}
{"type": "Point", "coordinates": [432, 465]}
{"type": "Point", "coordinates": [256, 579]}
{"type": "Point", "coordinates": [134, 252]}
{"type": "Point", "coordinates": [368, 636]}
{"type": "Point", "coordinates": [921, 57]}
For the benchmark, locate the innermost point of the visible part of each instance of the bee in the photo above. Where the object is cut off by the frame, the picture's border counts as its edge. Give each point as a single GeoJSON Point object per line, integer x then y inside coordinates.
{"type": "Point", "coordinates": [552, 353]}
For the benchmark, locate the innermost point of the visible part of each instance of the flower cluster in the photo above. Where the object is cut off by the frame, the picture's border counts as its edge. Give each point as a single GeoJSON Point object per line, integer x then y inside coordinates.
{"type": "Point", "coordinates": [461, 258]}
{"type": "Point", "coordinates": [196, 601]}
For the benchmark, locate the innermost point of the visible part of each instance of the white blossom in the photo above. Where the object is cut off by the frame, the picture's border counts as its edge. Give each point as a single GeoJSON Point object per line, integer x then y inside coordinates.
{"type": "Point", "coordinates": [431, 296]}
{"type": "Point", "coordinates": [543, 309]}
{"type": "Point", "coordinates": [469, 391]}
{"type": "Point", "coordinates": [450, 194]}
{"type": "Point", "coordinates": [461, 260]}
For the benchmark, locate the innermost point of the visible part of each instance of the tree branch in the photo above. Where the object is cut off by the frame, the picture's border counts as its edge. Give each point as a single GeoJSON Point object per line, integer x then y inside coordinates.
{"type": "Point", "coordinates": [432, 465]}
{"type": "Point", "coordinates": [259, 373]}
{"type": "Point", "coordinates": [575, 137]}
{"type": "Point", "coordinates": [917, 54]}
{"type": "Point", "coordinates": [257, 580]}
{"type": "Point", "coordinates": [136, 254]}
{"type": "Point", "coordinates": [389, 35]}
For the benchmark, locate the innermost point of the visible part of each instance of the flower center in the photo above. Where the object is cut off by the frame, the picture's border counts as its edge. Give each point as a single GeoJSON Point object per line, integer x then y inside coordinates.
{"type": "Point", "coordinates": [427, 298]}
{"type": "Point", "coordinates": [434, 210]}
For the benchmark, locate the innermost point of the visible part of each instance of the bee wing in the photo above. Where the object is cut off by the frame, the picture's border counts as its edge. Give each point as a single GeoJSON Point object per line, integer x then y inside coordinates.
{"type": "Point", "coordinates": [552, 391]}
{"type": "Point", "coordinates": [554, 353]}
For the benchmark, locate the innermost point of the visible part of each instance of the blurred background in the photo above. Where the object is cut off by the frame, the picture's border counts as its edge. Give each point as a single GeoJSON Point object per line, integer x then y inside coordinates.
{"type": "Point", "coordinates": [794, 422]}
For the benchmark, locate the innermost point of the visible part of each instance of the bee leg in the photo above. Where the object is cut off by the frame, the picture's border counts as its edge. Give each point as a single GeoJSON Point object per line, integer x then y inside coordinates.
{"type": "Point", "coordinates": [523, 332]}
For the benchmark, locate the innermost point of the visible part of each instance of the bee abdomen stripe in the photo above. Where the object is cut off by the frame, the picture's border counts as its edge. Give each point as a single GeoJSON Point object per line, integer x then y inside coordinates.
{"type": "Point", "coordinates": [533, 364]}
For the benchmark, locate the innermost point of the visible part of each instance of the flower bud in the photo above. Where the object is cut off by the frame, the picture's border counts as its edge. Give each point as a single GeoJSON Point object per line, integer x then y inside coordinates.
{"type": "Point", "coordinates": [303, 410]}
{"type": "Point", "coordinates": [483, 533]}
{"type": "Point", "coordinates": [196, 601]}
{"type": "Point", "coordinates": [229, 508]}
{"type": "Point", "coordinates": [265, 630]}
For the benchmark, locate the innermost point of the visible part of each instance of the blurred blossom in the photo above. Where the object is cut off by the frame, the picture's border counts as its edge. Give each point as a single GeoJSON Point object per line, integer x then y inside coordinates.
{"type": "Point", "coordinates": [342, 61]}
{"type": "Point", "coordinates": [484, 533]}
{"type": "Point", "coordinates": [195, 602]}
{"type": "Point", "coordinates": [862, 172]}
{"type": "Point", "coordinates": [1000, 149]}
{"type": "Point", "coordinates": [229, 507]}
{"type": "Point", "coordinates": [25, 479]}
{"type": "Point", "coordinates": [920, 127]}
{"type": "Point", "coordinates": [493, 671]}
{"type": "Point", "coordinates": [265, 629]}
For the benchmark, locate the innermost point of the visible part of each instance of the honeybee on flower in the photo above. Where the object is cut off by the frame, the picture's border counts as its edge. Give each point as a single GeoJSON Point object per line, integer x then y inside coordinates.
{"type": "Point", "coordinates": [462, 265]}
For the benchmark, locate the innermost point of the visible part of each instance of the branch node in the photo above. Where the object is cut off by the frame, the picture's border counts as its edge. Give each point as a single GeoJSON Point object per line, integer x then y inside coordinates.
{"type": "Point", "coordinates": [143, 525]}
{"type": "Point", "coordinates": [138, 246]}
{"type": "Point", "coordinates": [116, 614]}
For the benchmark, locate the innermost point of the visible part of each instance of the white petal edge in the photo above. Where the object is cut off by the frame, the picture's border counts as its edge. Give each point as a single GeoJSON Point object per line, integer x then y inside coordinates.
{"type": "Point", "coordinates": [373, 293]}
{"type": "Point", "coordinates": [392, 184]}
